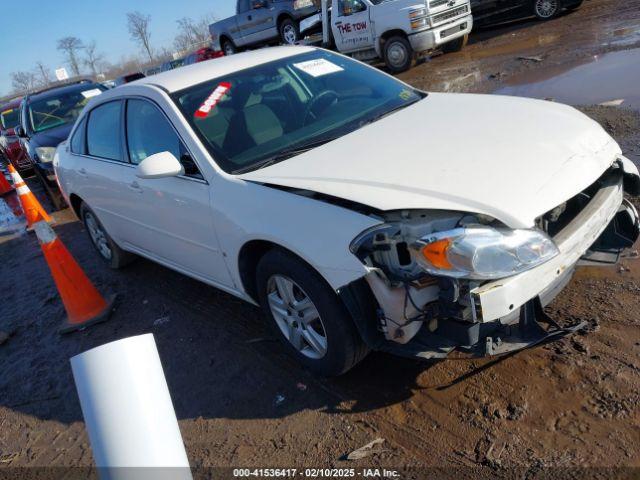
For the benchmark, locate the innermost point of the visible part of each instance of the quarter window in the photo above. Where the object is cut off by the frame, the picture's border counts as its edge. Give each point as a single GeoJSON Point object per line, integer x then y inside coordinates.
{"type": "Point", "coordinates": [104, 137]}
{"type": "Point", "coordinates": [149, 132]}
{"type": "Point", "coordinates": [78, 140]}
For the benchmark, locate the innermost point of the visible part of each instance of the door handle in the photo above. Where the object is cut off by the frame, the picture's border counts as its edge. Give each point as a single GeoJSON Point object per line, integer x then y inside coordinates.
{"type": "Point", "coordinates": [82, 172]}
{"type": "Point", "coordinates": [135, 186]}
{"type": "Point", "coordinates": [249, 17]}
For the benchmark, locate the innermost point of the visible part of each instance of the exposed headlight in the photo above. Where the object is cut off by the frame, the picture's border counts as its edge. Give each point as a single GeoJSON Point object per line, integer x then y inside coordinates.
{"type": "Point", "coordinates": [418, 18]}
{"type": "Point", "coordinates": [483, 253]}
{"type": "Point", "coordinates": [45, 154]}
{"type": "Point", "coordinates": [299, 4]}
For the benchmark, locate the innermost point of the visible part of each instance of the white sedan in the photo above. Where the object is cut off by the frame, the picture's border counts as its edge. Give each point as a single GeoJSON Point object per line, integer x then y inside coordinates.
{"type": "Point", "coordinates": [359, 212]}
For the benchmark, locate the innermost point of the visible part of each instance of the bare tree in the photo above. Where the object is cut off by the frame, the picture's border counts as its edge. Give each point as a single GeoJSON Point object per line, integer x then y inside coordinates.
{"type": "Point", "coordinates": [71, 47]}
{"type": "Point", "coordinates": [43, 71]}
{"type": "Point", "coordinates": [138, 25]}
{"type": "Point", "coordinates": [192, 34]}
{"type": "Point", "coordinates": [23, 81]}
{"type": "Point", "coordinates": [93, 59]}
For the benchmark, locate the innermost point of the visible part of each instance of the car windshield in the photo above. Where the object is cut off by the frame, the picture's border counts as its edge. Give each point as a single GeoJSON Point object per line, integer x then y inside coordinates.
{"type": "Point", "coordinates": [268, 113]}
{"type": "Point", "coordinates": [59, 110]}
{"type": "Point", "coordinates": [9, 118]}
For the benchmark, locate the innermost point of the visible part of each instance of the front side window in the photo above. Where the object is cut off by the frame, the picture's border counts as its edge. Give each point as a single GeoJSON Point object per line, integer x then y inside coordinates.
{"type": "Point", "coordinates": [261, 115]}
{"type": "Point", "coordinates": [149, 132]}
{"type": "Point", "coordinates": [243, 6]}
{"type": "Point", "coordinates": [349, 7]}
{"type": "Point", "coordinates": [104, 138]}
{"type": "Point", "coordinates": [57, 110]}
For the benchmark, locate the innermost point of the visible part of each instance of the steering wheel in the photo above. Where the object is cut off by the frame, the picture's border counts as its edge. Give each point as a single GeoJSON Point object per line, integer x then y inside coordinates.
{"type": "Point", "coordinates": [326, 99]}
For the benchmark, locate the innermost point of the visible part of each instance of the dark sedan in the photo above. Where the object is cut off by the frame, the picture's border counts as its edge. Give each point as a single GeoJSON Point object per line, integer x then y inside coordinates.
{"type": "Point", "coordinates": [47, 118]}
{"type": "Point", "coordinates": [487, 12]}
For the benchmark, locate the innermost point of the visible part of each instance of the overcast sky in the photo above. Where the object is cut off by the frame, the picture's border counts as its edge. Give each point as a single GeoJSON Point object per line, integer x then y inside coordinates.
{"type": "Point", "coordinates": [30, 29]}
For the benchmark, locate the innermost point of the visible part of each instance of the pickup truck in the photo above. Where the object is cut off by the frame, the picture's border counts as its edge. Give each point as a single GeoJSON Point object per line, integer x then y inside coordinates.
{"type": "Point", "coordinates": [259, 22]}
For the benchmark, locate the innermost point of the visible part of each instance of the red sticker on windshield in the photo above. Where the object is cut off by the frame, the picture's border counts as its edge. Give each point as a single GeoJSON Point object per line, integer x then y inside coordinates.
{"type": "Point", "coordinates": [220, 91]}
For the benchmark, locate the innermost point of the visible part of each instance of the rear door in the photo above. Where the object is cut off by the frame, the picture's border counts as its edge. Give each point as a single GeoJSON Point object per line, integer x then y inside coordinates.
{"type": "Point", "coordinates": [99, 164]}
{"type": "Point", "coordinates": [168, 219]}
{"type": "Point", "coordinates": [352, 29]}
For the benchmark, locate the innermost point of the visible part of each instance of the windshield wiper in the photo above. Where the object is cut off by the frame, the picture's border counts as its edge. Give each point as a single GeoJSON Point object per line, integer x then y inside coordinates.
{"type": "Point", "coordinates": [286, 154]}
{"type": "Point", "coordinates": [386, 113]}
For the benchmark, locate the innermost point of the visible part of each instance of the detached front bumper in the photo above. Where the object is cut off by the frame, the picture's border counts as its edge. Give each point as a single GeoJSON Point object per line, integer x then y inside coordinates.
{"type": "Point", "coordinates": [434, 37]}
{"type": "Point", "coordinates": [501, 299]}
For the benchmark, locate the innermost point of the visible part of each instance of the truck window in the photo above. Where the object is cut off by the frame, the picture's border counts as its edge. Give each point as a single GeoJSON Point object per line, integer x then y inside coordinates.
{"type": "Point", "coordinates": [349, 7]}
{"type": "Point", "coordinates": [244, 6]}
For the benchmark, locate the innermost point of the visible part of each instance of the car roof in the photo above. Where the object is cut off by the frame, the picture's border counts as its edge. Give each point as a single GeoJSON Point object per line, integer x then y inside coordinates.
{"type": "Point", "coordinates": [55, 91]}
{"type": "Point", "coordinates": [187, 76]}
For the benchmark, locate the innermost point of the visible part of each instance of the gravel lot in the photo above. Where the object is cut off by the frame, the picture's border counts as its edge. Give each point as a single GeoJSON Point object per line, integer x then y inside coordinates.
{"type": "Point", "coordinates": [242, 403]}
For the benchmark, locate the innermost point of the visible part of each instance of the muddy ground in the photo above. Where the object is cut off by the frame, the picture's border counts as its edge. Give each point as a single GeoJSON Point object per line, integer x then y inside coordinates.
{"type": "Point", "coordinates": [242, 403]}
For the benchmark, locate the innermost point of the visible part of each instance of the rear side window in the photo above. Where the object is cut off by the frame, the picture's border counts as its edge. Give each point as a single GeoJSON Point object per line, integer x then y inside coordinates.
{"type": "Point", "coordinates": [78, 140]}
{"type": "Point", "coordinates": [149, 132]}
{"type": "Point", "coordinates": [104, 138]}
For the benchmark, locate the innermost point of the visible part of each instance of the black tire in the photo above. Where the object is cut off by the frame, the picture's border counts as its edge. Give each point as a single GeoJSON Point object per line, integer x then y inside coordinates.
{"type": "Point", "coordinates": [228, 47]}
{"type": "Point", "coordinates": [574, 6]}
{"type": "Point", "coordinates": [546, 9]}
{"type": "Point", "coordinates": [455, 45]}
{"type": "Point", "coordinates": [118, 258]}
{"type": "Point", "coordinates": [398, 54]}
{"type": "Point", "coordinates": [344, 346]}
{"type": "Point", "coordinates": [289, 32]}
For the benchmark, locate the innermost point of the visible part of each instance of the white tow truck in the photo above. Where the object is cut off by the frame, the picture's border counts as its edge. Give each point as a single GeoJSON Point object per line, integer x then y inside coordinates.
{"type": "Point", "coordinates": [393, 31]}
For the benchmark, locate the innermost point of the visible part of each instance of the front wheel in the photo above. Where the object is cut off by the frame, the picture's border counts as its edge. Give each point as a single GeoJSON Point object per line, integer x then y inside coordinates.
{"type": "Point", "coordinates": [398, 54]}
{"type": "Point", "coordinates": [307, 316]}
{"type": "Point", "coordinates": [228, 48]}
{"type": "Point", "coordinates": [289, 33]}
{"type": "Point", "coordinates": [546, 9]}
{"type": "Point", "coordinates": [455, 45]}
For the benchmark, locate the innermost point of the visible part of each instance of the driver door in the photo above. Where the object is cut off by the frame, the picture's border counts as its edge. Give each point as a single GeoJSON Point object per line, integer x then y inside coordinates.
{"type": "Point", "coordinates": [352, 29]}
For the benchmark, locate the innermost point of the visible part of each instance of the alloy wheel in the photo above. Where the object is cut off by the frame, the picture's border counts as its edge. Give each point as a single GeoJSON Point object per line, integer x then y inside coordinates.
{"type": "Point", "coordinates": [98, 236]}
{"type": "Point", "coordinates": [297, 317]}
{"type": "Point", "coordinates": [546, 8]}
{"type": "Point", "coordinates": [289, 34]}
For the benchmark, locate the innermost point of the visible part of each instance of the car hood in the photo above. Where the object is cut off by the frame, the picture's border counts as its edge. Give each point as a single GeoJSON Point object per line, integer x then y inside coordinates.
{"type": "Point", "coordinates": [508, 157]}
{"type": "Point", "coordinates": [51, 138]}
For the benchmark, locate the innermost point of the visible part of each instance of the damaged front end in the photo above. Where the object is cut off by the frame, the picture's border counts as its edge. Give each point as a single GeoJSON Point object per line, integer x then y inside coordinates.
{"type": "Point", "coordinates": [441, 281]}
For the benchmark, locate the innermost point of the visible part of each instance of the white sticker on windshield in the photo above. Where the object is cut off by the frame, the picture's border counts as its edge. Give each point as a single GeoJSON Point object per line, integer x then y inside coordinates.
{"type": "Point", "coordinates": [91, 93]}
{"type": "Point", "coordinates": [318, 67]}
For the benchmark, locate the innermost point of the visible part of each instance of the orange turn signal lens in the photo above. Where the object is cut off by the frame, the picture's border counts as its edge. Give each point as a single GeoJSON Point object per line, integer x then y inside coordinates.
{"type": "Point", "coordinates": [436, 253]}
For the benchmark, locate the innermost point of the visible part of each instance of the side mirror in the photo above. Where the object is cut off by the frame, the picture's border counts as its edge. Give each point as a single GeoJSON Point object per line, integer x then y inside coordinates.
{"type": "Point", "coordinates": [20, 132]}
{"type": "Point", "coordinates": [258, 4]}
{"type": "Point", "coordinates": [160, 165]}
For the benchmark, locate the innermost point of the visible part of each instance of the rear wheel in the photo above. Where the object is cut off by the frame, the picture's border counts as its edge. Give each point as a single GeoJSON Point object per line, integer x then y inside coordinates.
{"type": "Point", "coordinates": [398, 54]}
{"type": "Point", "coordinates": [546, 9]}
{"type": "Point", "coordinates": [228, 47]}
{"type": "Point", "coordinates": [289, 33]}
{"type": "Point", "coordinates": [111, 253]}
{"type": "Point", "coordinates": [307, 316]}
{"type": "Point", "coordinates": [455, 45]}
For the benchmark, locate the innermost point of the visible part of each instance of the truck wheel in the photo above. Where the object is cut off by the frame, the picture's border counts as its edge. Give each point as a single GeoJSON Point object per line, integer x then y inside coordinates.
{"type": "Point", "coordinates": [228, 47]}
{"type": "Point", "coordinates": [546, 9]}
{"type": "Point", "coordinates": [111, 253]}
{"type": "Point", "coordinates": [289, 33]}
{"type": "Point", "coordinates": [398, 54]}
{"type": "Point", "coordinates": [455, 45]}
{"type": "Point", "coordinates": [307, 316]}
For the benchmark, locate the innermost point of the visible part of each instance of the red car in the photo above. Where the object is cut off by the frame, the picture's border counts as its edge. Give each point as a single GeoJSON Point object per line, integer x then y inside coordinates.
{"type": "Point", "coordinates": [202, 55]}
{"type": "Point", "coordinates": [10, 119]}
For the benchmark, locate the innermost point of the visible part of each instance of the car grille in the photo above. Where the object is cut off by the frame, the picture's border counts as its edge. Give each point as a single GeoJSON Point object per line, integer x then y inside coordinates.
{"type": "Point", "coordinates": [437, 3]}
{"type": "Point", "coordinates": [455, 12]}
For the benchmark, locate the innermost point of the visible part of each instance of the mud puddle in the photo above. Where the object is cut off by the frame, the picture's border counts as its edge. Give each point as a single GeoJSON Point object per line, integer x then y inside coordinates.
{"type": "Point", "coordinates": [602, 78]}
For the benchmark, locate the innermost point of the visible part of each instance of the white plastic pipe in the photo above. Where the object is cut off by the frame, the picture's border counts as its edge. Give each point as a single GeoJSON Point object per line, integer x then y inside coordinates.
{"type": "Point", "coordinates": [128, 411]}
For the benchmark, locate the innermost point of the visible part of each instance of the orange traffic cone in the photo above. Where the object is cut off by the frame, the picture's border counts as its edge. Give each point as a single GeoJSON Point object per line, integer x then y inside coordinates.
{"type": "Point", "coordinates": [82, 301]}
{"type": "Point", "coordinates": [5, 186]}
{"type": "Point", "coordinates": [33, 211]}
